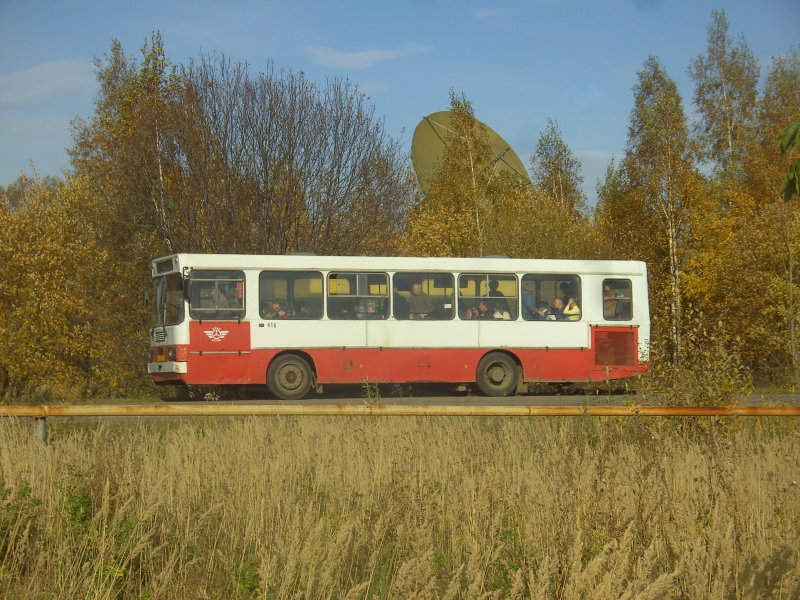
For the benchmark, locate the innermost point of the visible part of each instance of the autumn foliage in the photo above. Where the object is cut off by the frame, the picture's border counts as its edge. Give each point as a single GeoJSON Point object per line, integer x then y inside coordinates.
{"type": "Point", "coordinates": [722, 249]}
{"type": "Point", "coordinates": [202, 158]}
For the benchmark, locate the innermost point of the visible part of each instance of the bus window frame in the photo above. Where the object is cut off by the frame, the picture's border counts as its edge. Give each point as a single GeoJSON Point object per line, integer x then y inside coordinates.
{"type": "Point", "coordinates": [161, 300]}
{"type": "Point", "coordinates": [628, 299]}
{"type": "Point", "coordinates": [475, 300]}
{"type": "Point", "coordinates": [217, 313]}
{"type": "Point", "coordinates": [358, 298]}
{"type": "Point", "coordinates": [418, 277]}
{"type": "Point", "coordinates": [290, 297]}
{"type": "Point", "coordinates": [558, 278]}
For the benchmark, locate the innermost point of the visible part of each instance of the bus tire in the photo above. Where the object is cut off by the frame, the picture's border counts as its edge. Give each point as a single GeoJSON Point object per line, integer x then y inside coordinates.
{"type": "Point", "coordinates": [497, 375]}
{"type": "Point", "coordinates": [289, 377]}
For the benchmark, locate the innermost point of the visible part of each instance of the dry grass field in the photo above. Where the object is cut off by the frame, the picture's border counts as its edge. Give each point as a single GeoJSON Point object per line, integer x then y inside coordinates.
{"type": "Point", "coordinates": [391, 507]}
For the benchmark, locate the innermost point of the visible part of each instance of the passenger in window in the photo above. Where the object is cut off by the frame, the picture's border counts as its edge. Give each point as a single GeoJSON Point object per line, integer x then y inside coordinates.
{"type": "Point", "coordinates": [500, 312]}
{"type": "Point", "coordinates": [556, 311]}
{"type": "Point", "coordinates": [359, 311]}
{"type": "Point", "coordinates": [572, 311]}
{"type": "Point", "coordinates": [482, 311]}
{"type": "Point", "coordinates": [271, 310]}
{"type": "Point", "coordinates": [566, 292]}
{"type": "Point", "coordinates": [493, 291]}
{"type": "Point", "coordinates": [611, 298]}
{"type": "Point", "coordinates": [372, 311]}
{"type": "Point", "coordinates": [282, 312]}
{"type": "Point", "coordinates": [529, 308]}
{"type": "Point", "coordinates": [541, 312]}
{"type": "Point", "coordinates": [303, 311]}
{"type": "Point", "coordinates": [420, 304]}
{"type": "Point", "coordinates": [229, 296]}
{"type": "Point", "coordinates": [496, 293]}
{"type": "Point", "coordinates": [218, 298]}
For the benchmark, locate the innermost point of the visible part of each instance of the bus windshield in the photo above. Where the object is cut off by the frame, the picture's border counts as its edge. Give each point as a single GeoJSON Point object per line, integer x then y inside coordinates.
{"type": "Point", "coordinates": [169, 300]}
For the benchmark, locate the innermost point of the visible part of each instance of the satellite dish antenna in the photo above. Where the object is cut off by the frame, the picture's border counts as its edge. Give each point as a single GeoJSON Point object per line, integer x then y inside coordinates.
{"type": "Point", "coordinates": [431, 137]}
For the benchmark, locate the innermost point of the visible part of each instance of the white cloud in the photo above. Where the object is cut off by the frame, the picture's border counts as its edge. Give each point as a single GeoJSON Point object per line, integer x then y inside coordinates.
{"type": "Point", "coordinates": [45, 81]}
{"type": "Point", "coordinates": [328, 57]}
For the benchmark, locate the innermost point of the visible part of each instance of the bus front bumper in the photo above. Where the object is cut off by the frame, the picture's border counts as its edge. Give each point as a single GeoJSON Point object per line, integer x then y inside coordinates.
{"type": "Point", "coordinates": [166, 367]}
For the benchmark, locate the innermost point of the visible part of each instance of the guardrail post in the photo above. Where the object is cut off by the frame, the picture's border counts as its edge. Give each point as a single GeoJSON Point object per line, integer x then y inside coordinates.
{"type": "Point", "coordinates": [40, 423]}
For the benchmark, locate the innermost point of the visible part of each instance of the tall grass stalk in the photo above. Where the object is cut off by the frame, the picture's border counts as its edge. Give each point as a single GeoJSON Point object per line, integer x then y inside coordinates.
{"type": "Point", "coordinates": [382, 507]}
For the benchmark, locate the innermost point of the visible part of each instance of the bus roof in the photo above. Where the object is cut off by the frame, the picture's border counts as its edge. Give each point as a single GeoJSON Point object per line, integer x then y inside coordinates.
{"type": "Point", "coordinates": [492, 264]}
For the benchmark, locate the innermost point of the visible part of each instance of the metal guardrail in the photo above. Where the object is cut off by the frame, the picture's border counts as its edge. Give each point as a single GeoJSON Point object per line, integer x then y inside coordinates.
{"type": "Point", "coordinates": [194, 410]}
{"type": "Point", "coordinates": [40, 413]}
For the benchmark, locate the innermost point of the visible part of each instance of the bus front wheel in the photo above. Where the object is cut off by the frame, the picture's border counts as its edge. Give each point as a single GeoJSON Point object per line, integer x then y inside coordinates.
{"type": "Point", "coordinates": [289, 377]}
{"type": "Point", "coordinates": [497, 375]}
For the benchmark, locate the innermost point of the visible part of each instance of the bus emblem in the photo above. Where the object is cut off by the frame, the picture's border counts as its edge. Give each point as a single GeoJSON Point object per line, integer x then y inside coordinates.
{"type": "Point", "coordinates": [216, 334]}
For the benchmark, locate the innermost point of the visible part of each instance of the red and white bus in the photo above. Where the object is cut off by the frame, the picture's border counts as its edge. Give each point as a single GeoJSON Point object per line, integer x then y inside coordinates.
{"type": "Point", "coordinates": [299, 322]}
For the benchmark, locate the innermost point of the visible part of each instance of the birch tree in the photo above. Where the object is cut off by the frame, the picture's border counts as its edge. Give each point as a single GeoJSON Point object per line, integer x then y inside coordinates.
{"type": "Point", "coordinates": [660, 176]}
{"type": "Point", "coordinates": [726, 79]}
{"type": "Point", "coordinates": [556, 171]}
{"type": "Point", "coordinates": [215, 159]}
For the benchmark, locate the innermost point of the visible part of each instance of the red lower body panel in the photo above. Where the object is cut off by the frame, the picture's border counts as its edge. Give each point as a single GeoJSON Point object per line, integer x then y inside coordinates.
{"type": "Point", "coordinates": [613, 354]}
{"type": "Point", "coordinates": [334, 365]}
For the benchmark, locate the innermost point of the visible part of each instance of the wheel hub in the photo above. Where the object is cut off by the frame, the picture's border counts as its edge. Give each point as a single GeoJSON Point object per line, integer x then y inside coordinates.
{"type": "Point", "coordinates": [497, 374]}
{"type": "Point", "coordinates": [290, 377]}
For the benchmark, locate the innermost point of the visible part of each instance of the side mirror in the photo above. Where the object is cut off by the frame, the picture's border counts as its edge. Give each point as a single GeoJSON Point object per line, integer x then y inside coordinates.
{"type": "Point", "coordinates": [187, 289]}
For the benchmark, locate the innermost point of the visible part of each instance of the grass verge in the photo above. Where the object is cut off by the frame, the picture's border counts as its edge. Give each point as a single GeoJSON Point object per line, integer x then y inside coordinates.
{"type": "Point", "coordinates": [368, 507]}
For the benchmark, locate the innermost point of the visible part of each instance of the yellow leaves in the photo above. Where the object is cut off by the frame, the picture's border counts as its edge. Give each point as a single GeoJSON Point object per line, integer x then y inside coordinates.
{"type": "Point", "coordinates": [739, 273]}
{"type": "Point", "coordinates": [61, 323]}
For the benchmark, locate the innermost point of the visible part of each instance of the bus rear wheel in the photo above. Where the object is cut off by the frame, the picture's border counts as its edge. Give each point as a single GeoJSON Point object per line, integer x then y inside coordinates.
{"type": "Point", "coordinates": [497, 375]}
{"type": "Point", "coordinates": [289, 377]}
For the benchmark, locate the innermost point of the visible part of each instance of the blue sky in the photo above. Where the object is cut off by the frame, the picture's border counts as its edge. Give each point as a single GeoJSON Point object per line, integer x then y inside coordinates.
{"type": "Point", "coordinates": [519, 62]}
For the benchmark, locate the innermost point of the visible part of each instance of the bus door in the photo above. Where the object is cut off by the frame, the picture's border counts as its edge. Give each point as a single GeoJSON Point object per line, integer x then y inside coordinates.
{"type": "Point", "coordinates": [219, 339]}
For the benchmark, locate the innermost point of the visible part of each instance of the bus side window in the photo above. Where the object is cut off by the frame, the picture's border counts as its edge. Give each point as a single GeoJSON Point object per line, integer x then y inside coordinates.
{"type": "Point", "coordinates": [361, 296]}
{"type": "Point", "coordinates": [290, 294]}
{"type": "Point", "coordinates": [488, 296]}
{"type": "Point", "coordinates": [617, 300]}
{"type": "Point", "coordinates": [551, 297]}
{"type": "Point", "coordinates": [216, 294]}
{"type": "Point", "coordinates": [421, 295]}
